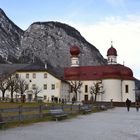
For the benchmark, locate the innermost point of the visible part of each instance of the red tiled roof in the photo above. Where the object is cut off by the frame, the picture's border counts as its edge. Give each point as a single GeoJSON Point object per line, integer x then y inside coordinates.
{"type": "Point", "coordinates": [98, 72]}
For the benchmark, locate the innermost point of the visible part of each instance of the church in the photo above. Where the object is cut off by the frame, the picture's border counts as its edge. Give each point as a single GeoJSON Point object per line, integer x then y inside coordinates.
{"type": "Point", "coordinates": [114, 81]}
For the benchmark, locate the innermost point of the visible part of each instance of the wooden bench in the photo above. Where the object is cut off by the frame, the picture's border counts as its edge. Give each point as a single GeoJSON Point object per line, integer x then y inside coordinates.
{"type": "Point", "coordinates": [58, 113]}
{"type": "Point", "coordinates": [103, 107]}
{"type": "Point", "coordinates": [85, 109]}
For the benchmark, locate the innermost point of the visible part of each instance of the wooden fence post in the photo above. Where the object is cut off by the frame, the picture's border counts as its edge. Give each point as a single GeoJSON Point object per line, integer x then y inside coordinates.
{"type": "Point", "coordinates": [20, 112]}
{"type": "Point", "coordinates": [40, 111]}
{"type": "Point", "coordinates": [62, 106]}
{"type": "Point", "coordinates": [79, 107]}
{"type": "Point", "coordinates": [71, 108]}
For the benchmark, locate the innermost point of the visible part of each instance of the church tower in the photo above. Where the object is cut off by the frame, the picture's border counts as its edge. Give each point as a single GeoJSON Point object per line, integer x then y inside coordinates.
{"type": "Point", "coordinates": [112, 55]}
{"type": "Point", "coordinates": [74, 51]}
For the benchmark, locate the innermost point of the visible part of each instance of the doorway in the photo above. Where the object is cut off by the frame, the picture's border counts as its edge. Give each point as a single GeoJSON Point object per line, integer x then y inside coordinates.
{"type": "Point", "coordinates": [86, 98]}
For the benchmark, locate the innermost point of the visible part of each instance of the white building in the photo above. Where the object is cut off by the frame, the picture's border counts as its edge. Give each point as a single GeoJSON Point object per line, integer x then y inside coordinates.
{"type": "Point", "coordinates": [116, 81]}
{"type": "Point", "coordinates": [38, 79]}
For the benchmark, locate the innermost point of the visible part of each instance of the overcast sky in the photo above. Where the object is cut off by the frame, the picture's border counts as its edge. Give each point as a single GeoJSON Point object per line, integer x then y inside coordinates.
{"type": "Point", "coordinates": [98, 21]}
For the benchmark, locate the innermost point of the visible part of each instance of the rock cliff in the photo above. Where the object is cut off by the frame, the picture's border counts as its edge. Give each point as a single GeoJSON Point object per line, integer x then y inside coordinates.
{"type": "Point", "coordinates": [10, 36]}
{"type": "Point", "coordinates": [44, 42]}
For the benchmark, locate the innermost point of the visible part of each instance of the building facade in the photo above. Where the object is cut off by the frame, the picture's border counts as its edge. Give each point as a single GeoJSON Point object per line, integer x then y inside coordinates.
{"type": "Point", "coordinates": [114, 81]}
{"type": "Point", "coordinates": [40, 82]}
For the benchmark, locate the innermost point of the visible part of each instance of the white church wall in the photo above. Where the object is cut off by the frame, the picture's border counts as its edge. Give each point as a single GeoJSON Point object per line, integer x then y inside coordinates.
{"type": "Point", "coordinates": [84, 93]}
{"type": "Point", "coordinates": [131, 90]}
{"type": "Point", "coordinates": [112, 90]}
{"type": "Point", "coordinates": [64, 91]}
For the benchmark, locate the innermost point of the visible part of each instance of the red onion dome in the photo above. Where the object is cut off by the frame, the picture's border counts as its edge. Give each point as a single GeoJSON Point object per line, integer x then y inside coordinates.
{"type": "Point", "coordinates": [111, 51]}
{"type": "Point", "coordinates": [74, 50]}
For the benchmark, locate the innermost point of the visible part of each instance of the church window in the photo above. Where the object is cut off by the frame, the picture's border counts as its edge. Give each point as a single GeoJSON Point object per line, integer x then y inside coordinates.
{"type": "Point", "coordinates": [71, 89]}
{"type": "Point", "coordinates": [126, 89]}
{"type": "Point", "coordinates": [86, 88]}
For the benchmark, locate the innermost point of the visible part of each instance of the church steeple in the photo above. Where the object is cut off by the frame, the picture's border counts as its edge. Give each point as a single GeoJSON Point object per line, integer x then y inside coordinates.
{"type": "Point", "coordinates": [74, 51]}
{"type": "Point", "coordinates": [112, 55]}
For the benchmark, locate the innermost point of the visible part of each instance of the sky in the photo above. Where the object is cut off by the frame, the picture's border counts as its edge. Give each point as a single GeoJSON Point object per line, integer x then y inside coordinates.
{"type": "Point", "coordinates": [98, 21]}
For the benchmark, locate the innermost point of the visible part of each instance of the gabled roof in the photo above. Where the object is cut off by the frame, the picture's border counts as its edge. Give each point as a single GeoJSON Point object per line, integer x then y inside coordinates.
{"type": "Point", "coordinates": [12, 68]}
{"type": "Point", "coordinates": [32, 67]}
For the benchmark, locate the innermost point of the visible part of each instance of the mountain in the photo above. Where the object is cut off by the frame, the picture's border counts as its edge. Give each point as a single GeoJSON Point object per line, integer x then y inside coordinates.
{"type": "Point", "coordinates": [51, 41]}
{"type": "Point", "coordinates": [10, 36]}
{"type": "Point", "coordinates": [44, 42]}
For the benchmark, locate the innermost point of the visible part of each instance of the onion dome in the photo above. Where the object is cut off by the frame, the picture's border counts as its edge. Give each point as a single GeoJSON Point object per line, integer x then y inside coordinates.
{"type": "Point", "coordinates": [74, 50]}
{"type": "Point", "coordinates": [111, 51]}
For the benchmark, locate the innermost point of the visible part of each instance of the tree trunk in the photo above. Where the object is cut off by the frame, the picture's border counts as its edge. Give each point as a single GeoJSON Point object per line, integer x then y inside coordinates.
{"type": "Point", "coordinates": [3, 95]}
{"type": "Point", "coordinates": [35, 97]}
{"type": "Point", "coordinates": [12, 100]}
{"type": "Point", "coordinates": [95, 97]}
{"type": "Point", "coordinates": [76, 96]}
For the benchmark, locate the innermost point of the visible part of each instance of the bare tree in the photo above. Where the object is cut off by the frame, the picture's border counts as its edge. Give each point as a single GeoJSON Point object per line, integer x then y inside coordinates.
{"type": "Point", "coordinates": [22, 87]}
{"type": "Point", "coordinates": [76, 86]}
{"type": "Point", "coordinates": [36, 90]}
{"type": "Point", "coordinates": [96, 89]}
{"type": "Point", "coordinates": [13, 87]}
{"type": "Point", "coordinates": [4, 84]}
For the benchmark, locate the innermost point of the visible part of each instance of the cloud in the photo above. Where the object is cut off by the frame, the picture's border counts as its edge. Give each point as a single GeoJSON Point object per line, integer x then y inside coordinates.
{"type": "Point", "coordinates": [124, 33]}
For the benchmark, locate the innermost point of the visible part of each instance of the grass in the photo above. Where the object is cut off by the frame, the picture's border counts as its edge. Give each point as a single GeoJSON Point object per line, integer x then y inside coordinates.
{"type": "Point", "coordinates": [14, 105]}
{"type": "Point", "coordinates": [25, 122]}
{"type": "Point", "coordinates": [28, 122]}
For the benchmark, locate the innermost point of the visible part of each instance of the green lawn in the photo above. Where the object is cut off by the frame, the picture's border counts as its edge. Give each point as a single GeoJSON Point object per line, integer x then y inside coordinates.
{"type": "Point", "coordinates": [14, 105]}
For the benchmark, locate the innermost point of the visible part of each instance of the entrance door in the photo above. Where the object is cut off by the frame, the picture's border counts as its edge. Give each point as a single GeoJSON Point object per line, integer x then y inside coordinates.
{"type": "Point", "coordinates": [30, 97]}
{"type": "Point", "coordinates": [86, 98]}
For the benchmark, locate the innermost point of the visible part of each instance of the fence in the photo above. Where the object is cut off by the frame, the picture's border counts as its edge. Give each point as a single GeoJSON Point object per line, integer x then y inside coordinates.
{"type": "Point", "coordinates": [29, 113]}
{"type": "Point", "coordinates": [21, 113]}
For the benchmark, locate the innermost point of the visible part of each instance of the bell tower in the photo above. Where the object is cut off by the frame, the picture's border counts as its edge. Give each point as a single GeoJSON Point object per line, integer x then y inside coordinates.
{"type": "Point", "coordinates": [112, 55]}
{"type": "Point", "coordinates": [74, 51]}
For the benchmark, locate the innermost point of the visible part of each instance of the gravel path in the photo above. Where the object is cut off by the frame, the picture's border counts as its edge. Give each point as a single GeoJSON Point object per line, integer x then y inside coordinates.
{"type": "Point", "coordinates": [114, 124]}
